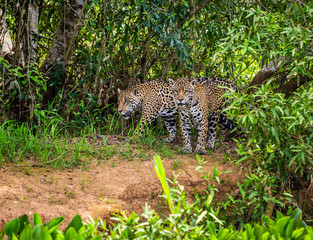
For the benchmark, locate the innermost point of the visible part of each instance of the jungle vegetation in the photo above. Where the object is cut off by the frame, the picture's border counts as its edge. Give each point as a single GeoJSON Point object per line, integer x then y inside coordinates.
{"type": "Point", "coordinates": [63, 60]}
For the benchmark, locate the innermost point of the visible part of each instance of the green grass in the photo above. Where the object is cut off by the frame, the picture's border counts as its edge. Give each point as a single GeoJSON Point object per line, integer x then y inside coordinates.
{"type": "Point", "coordinates": [19, 143]}
{"type": "Point", "coordinates": [59, 144]}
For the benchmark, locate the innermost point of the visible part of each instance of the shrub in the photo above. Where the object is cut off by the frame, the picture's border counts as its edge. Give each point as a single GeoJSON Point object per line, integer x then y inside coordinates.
{"type": "Point", "coordinates": [279, 130]}
{"type": "Point", "coordinates": [277, 140]}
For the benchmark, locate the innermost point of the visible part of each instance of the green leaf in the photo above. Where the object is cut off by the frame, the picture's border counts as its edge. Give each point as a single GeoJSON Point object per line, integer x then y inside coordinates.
{"type": "Point", "coordinates": [297, 215]}
{"type": "Point", "coordinates": [249, 232]}
{"type": "Point", "coordinates": [54, 223]}
{"type": "Point", "coordinates": [71, 234]}
{"type": "Point", "coordinates": [290, 228]}
{"type": "Point", "coordinates": [279, 215]}
{"type": "Point", "coordinates": [310, 232]}
{"type": "Point", "coordinates": [297, 233]}
{"type": "Point", "coordinates": [201, 217]}
{"type": "Point", "coordinates": [41, 232]}
{"type": "Point", "coordinates": [222, 234]}
{"type": "Point", "coordinates": [26, 233]}
{"type": "Point", "coordinates": [265, 236]}
{"type": "Point", "coordinates": [282, 224]}
{"type": "Point", "coordinates": [59, 237]}
{"type": "Point", "coordinates": [159, 169]}
{"type": "Point", "coordinates": [215, 218]}
{"type": "Point", "coordinates": [24, 221]}
{"type": "Point", "coordinates": [253, 194]}
{"type": "Point", "coordinates": [36, 219]}
{"type": "Point", "coordinates": [274, 132]}
{"type": "Point", "coordinates": [251, 118]}
{"type": "Point", "coordinates": [242, 191]}
{"type": "Point", "coordinates": [212, 228]}
{"type": "Point", "coordinates": [12, 227]}
{"type": "Point", "coordinates": [267, 220]}
{"type": "Point", "coordinates": [76, 223]}
{"type": "Point", "coordinates": [258, 230]}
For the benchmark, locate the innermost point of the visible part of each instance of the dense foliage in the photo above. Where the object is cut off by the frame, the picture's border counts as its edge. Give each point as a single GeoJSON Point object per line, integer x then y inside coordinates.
{"type": "Point", "coordinates": [150, 225]}
{"type": "Point", "coordinates": [67, 58]}
{"type": "Point", "coordinates": [120, 43]}
{"type": "Point", "coordinates": [279, 130]}
{"type": "Point", "coordinates": [277, 146]}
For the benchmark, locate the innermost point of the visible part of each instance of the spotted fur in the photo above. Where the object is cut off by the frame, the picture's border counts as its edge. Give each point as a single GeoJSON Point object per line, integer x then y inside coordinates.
{"type": "Point", "coordinates": [155, 99]}
{"type": "Point", "coordinates": [200, 104]}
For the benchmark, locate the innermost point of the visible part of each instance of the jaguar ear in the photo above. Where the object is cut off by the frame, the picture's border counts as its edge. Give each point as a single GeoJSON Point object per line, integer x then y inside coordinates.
{"type": "Point", "coordinates": [193, 82]}
{"type": "Point", "coordinates": [118, 91]}
{"type": "Point", "coordinates": [135, 92]}
{"type": "Point", "coordinates": [171, 81]}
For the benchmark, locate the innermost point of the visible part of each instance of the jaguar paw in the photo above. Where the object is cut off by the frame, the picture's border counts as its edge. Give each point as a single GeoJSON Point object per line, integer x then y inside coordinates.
{"type": "Point", "coordinates": [200, 150]}
{"type": "Point", "coordinates": [168, 140]}
{"type": "Point", "coordinates": [187, 149]}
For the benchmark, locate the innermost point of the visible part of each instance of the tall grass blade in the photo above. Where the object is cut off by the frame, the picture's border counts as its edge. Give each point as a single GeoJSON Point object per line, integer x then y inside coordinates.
{"type": "Point", "coordinates": [159, 169]}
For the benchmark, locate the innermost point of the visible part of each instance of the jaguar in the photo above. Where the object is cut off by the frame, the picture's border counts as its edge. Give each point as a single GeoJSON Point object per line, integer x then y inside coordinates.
{"type": "Point", "coordinates": [200, 104]}
{"type": "Point", "coordinates": [155, 98]}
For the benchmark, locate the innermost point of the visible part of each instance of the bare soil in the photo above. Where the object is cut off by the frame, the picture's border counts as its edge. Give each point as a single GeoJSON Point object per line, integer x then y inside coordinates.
{"type": "Point", "coordinates": [103, 189]}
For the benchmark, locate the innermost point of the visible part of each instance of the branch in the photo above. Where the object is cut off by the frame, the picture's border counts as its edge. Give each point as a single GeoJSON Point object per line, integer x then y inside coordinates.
{"type": "Point", "coordinates": [294, 83]}
{"type": "Point", "coordinates": [169, 64]}
{"type": "Point", "coordinates": [266, 72]}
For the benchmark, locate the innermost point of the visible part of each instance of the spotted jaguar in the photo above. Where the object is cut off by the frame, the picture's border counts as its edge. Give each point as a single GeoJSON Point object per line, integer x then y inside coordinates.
{"type": "Point", "coordinates": [200, 104]}
{"type": "Point", "coordinates": [155, 98]}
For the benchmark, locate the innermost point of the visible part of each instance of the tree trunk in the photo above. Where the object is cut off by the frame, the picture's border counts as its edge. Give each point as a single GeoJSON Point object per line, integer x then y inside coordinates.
{"type": "Point", "coordinates": [32, 32]}
{"type": "Point", "coordinates": [5, 39]}
{"type": "Point", "coordinates": [60, 52]}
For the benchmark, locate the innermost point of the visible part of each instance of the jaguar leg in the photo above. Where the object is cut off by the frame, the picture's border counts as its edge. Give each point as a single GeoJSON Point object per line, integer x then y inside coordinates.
{"type": "Point", "coordinates": [186, 130]}
{"type": "Point", "coordinates": [226, 125]}
{"type": "Point", "coordinates": [170, 125]}
{"type": "Point", "coordinates": [145, 122]}
{"type": "Point", "coordinates": [202, 137]}
{"type": "Point", "coordinates": [213, 120]}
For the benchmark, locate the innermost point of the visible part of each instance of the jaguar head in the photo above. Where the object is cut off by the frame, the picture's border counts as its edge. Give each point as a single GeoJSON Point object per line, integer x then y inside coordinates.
{"type": "Point", "coordinates": [128, 101]}
{"type": "Point", "coordinates": [183, 90]}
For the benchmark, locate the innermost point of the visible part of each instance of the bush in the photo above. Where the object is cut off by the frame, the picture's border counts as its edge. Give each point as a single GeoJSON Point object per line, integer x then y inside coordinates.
{"type": "Point", "coordinates": [279, 130]}
{"type": "Point", "coordinates": [277, 140]}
